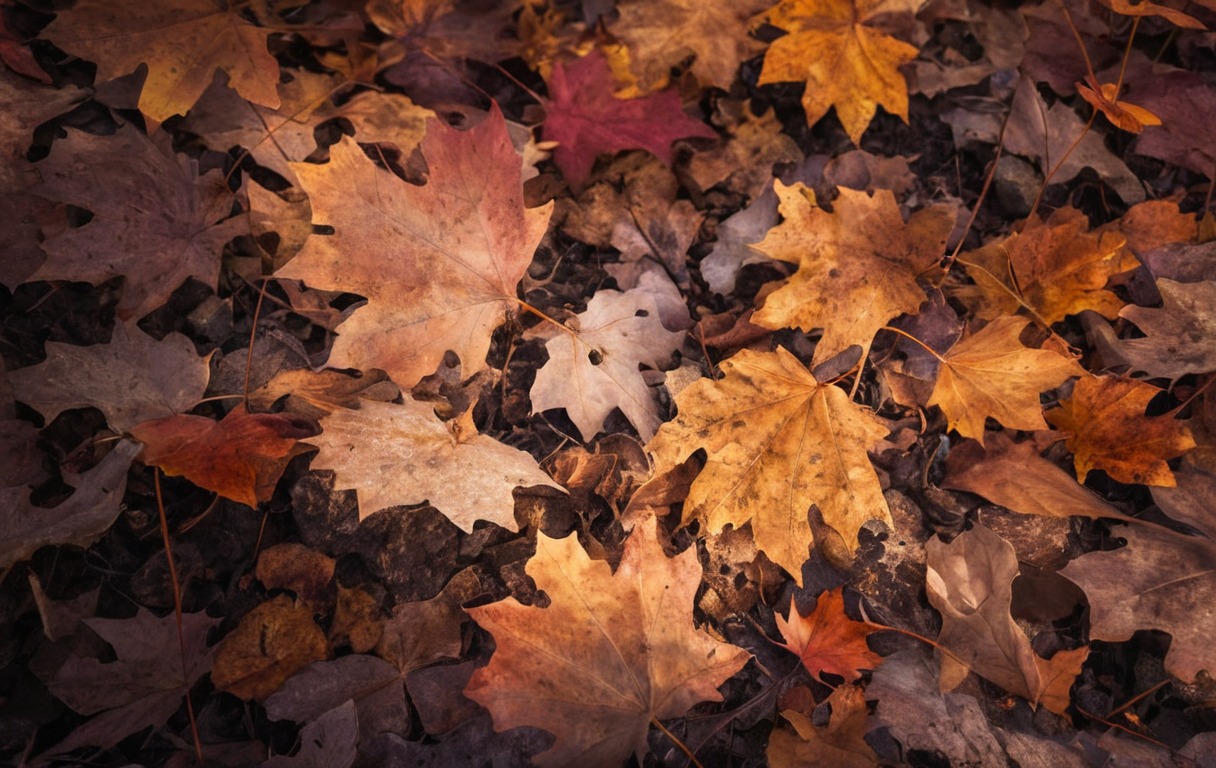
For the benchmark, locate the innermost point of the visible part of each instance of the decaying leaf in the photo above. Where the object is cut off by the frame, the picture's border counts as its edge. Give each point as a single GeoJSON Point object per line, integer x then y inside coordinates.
{"type": "Point", "coordinates": [841, 743]}
{"type": "Point", "coordinates": [394, 455]}
{"type": "Point", "coordinates": [778, 441]}
{"type": "Point", "coordinates": [1180, 337]}
{"type": "Point", "coordinates": [1104, 98]}
{"type": "Point", "coordinates": [1106, 429]}
{"type": "Point", "coordinates": [439, 264]}
{"type": "Point", "coordinates": [827, 640]}
{"type": "Point", "coordinates": [612, 652]}
{"type": "Point", "coordinates": [273, 641]}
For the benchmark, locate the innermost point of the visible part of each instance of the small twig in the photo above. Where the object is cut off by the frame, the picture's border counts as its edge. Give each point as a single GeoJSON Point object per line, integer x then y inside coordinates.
{"type": "Point", "coordinates": [683, 748]}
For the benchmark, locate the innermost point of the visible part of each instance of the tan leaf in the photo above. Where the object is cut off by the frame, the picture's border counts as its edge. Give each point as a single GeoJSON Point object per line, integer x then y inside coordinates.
{"type": "Point", "coordinates": [990, 374]}
{"type": "Point", "coordinates": [273, 641]}
{"type": "Point", "coordinates": [840, 744]}
{"type": "Point", "coordinates": [393, 455]}
{"type": "Point", "coordinates": [778, 441]}
{"type": "Point", "coordinates": [1180, 336]}
{"type": "Point", "coordinates": [611, 652]}
{"type": "Point", "coordinates": [1057, 676]}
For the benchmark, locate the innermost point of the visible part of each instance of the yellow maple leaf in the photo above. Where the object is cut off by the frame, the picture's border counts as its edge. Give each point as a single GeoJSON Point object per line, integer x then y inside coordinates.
{"type": "Point", "coordinates": [857, 265]}
{"type": "Point", "coordinates": [845, 62]}
{"type": "Point", "coordinates": [992, 374]}
{"type": "Point", "coordinates": [778, 441]}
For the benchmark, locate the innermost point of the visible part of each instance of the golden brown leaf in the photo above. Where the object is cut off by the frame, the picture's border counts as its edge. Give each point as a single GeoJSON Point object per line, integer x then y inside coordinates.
{"type": "Point", "coordinates": [845, 62]}
{"type": "Point", "coordinates": [841, 744]}
{"type": "Point", "coordinates": [1125, 116]}
{"type": "Point", "coordinates": [778, 441]}
{"type": "Point", "coordinates": [611, 653]}
{"type": "Point", "coordinates": [1106, 429]}
{"type": "Point", "coordinates": [273, 642]}
{"type": "Point", "coordinates": [857, 265]}
{"type": "Point", "coordinates": [991, 374]}
{"type": "Point", "coordinates": [827, 640]}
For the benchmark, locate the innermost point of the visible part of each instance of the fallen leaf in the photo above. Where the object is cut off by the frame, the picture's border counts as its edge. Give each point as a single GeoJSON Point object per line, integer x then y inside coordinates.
{"type": "Point", "coordinates": [846, 62]}
{"type": "Point", "coordinates": [970, 582]}
{"type": "Point", "coordinates": [132, 379]}
{"type": "Point", "coordinates": [1106, 428]}
{"type": "Point", "coordinates": [1125, 116]}
{"type": "Point", "coordinates": [610, 654]}
{"type": "Point", "coordinates": [857, 265]}
{"type": "Point", "coordinates": [153, 669]}
{"type": "Point", "coordinates": [778, 441]}
{"type": "Point", "coordinates": [742, 161]}
{"type": "Point", "coordinates": [586, 119]}
{"type": "Point", "coordinates": [393, 455]}
{"type": "Point", "coordinates": [594, 367]}
{"type": "Point", "coordinates": [271, 643]}
{"type": "Point", "coordinates": [316, 393]}
{"type": "Point", "coordinates": [304, 571]}
{"type": "Point", "coordinates": [736, 236]}
{"type": "Point", "coordinates": [990, 374]}
{"type": "Point", "coordinates": [840, 743]}
{"type": "Point", "coordinates": [1147, 8]}
{"type": "Point", "coordinates": [183, 43]}
{"type": "Point", "coordinates": [330, 740]}
{"type": "Point", "coordinates": [1180, 337]}
{"type": "Point", "coordinates": [147, 201]}
{"type": "Point", "coordinates": [240, 457]}
{"type": "Point", "coordinates": [1183, 101]}
{"type": "Point", "coordinates": [1057, 677]}
{"type": "Point", "coordinates": [1016, 477]}
{"type": "Point", "coordinates": [439, 263]}
{"type": "Point", "coordinates": [827, 640]}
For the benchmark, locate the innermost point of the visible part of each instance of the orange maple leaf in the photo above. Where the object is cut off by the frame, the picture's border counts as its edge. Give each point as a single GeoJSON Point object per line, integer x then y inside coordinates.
{"type": "Point", "coordinates": [845, 62]}
{"type": "Point", "coordinates": [1104, 98]}
{"type": "Point", "coordinates": [827, 640]}
{"type": "Point", "coordinates": [1107, 429]}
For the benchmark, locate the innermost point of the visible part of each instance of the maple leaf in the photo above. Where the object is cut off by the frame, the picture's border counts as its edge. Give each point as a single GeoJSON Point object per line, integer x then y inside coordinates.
{"type": "Point", "coordinates": [183, 42]}
{"type": "Point", "coordinates": [155, 220]}
{"type": "Point", "coordinates": [840, 744]}
{"type": "Point", "coordinates": [1180, 337]}
{"type": "Point", "coordinates": [594, 368]}
{"type": "Point", "coordinates": [1160, 580]}
{"type": "Point", "coordinates": [778, 441]}
{"type": "Point", "coordinates": [438, 264]}
{"type": "Point", "coordinates": [857, 265]}
{"type": "Point", "coordinates": [143, 686]}
{"type": "Point", "coordinates": [403, 454]}
{"type": "Point", "coordinates": [1106, 429]}
{"type": "Point", "coordinates": [1125, 116]}
{"type": "Point", "coordinates": [990, 374]}
{"type": "Point", "coordinates": [81, 519]}
{"type": "Point", "coordinates": [586, 119]}
{"type": "Point", "coordinates": [240, 457]}
{"type": "Point", "coordinates": [845, 62]}
{"type": "Point", "coordinates": [827, 640]}
{"type": "Point", "coordinates": [611, 653]}
{"type": "Point", "coordinates": [132, 379]}
{"type": "Point", "coordinates": [1056, 267]}
{"type": "Point", "coordinates": [660, 35]}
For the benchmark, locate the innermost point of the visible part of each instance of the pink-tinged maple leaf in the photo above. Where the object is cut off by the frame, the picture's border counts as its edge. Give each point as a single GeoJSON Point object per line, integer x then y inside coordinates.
{"type": "Point", "coordinates": [585, 118]}
{"type": "Point", "coordinates": [828, 640]}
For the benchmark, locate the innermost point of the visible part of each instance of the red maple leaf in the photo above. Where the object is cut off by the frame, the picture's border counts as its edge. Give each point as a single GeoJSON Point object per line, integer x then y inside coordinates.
{"type": "Point", "coordinates": [585, 118]}
{"type": "Point", "coordinates": [828, 640]}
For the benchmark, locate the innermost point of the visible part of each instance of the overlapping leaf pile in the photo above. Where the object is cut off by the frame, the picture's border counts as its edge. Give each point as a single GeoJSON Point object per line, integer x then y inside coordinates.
{"type": "Point", "coordinates": [509, 424]}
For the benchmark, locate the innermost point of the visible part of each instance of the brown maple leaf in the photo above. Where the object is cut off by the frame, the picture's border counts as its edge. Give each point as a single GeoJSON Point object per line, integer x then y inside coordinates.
{"type": "Point", "coordinates": [840, 744]}
{"type": "Point", "coordinates": [439, 264]}
{"type": "Point", "coordinates": [991, 374]}
{"type": "Point", "coordinates": [857, 265]}
{"type": "Point", "coordinates": [1180, 336]}
{"type": "Point", "coordinates": [844, 60]}
{"type": "Point", "coordinates": [183, 42]}
{"type": "Point", "coordinates": [271, 643]}
{"type": "Point", "coordinates": [610, 654]}
{"type": "Point", "coordinates": [240, 457]}
{"type": "Point", "coordinates": [1106, 429]}
{"type": "Point", "coordinates": [778, 441]}
{"type": "Point", "coordinates": [827, 640]}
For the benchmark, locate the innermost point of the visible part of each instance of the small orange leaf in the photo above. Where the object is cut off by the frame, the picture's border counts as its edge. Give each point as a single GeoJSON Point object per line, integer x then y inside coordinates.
{"type": "Point", "coordinates": [240, 457]}
{"type": "Point", "coordinates": [1104, 98]}
{"type": "Point", "coordinates": [828, 640]}
{"type": "Point", "coordinates": [1107, 429]}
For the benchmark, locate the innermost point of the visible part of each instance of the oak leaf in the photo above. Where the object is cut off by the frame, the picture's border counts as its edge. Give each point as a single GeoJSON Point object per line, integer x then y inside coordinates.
{"type": "Point", "coordinates": [147, 202]}
{"type": "Point", "coordinates": [1106, 429]}
{"type": "Point", "coordinates": [394, 455]}
{"type": "Point", "coordinates": [778, 441]}
{"type": "Point", "coordinates": [586, 119]}
{"type": "Point", "coordinates": [1056, 267]}
{"type": "Point", "coordinates": [183, 42]}
{"type": "Point", "coordinates": [132, 379]}
{"type": "Point", "coordinates": [844, 60]}
{"type": "Point", "coordinates": [857, 265]}
{"type": "Point", "coordinates": [827, 640]}
{"type": "Point", "coordinates": [594, 367]}
{"type": "Point", "coordinates": [610, 654]}
{"type": "Point", "coordinates": [841, 743]}
{"type": "Point", "coordinates": [240, 457]}
{"type": "Point", "coordinates": [991, 374]}
{"type": "Point", "coordinates": [1180, 337]}
{"type": "Point", "coordinates": [438, 263]}
{"type": "Point", "coordinates": [660, 35]}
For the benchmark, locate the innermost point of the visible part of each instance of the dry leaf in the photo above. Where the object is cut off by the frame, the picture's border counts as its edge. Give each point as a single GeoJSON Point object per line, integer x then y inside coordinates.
{"type": "Point", "coordinates": [1180, 336]}
{"type": "Point", "coordinates": [841, 744]}
{"type": "Point", "coordinates": [778, 441]}
{"type": "Point", "coordinates": [827, 640]}
{"type": "Point", "coordinates": [611, 653]}
{"type": "Point", "coordinates": [273, 641]}
{"type": "Point", "coordinates": [1125, 116]}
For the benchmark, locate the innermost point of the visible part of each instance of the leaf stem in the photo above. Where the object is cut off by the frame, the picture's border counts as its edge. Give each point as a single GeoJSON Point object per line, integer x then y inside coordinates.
{"type": "Point", "coordinates": [691, 757]}
{"type": "Point", "coordinates": [910, 337]}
